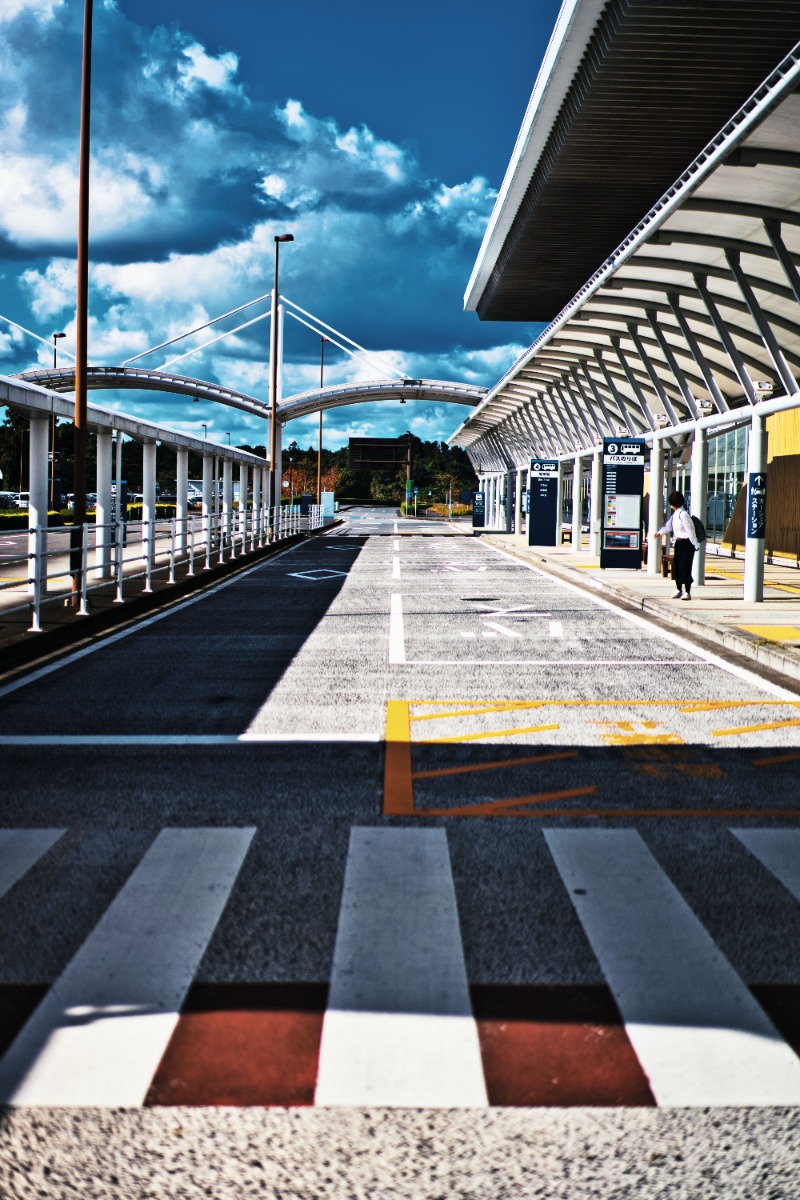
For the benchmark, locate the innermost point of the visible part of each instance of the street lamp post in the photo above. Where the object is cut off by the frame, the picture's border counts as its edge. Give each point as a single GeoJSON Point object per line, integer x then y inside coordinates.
{"type": "Point", "coordinates": [82, 310]}
{"type": "Point", "coordinates": [322, 342]}
{"type": "Point", "coordinates": [56, 337]}
{"type": "Point", "coordinates": [274, 499]}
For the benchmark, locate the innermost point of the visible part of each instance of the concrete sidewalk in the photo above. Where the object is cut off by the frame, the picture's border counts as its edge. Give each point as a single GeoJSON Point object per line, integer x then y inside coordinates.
{"type": "Point", "coordinates": [768, 632]}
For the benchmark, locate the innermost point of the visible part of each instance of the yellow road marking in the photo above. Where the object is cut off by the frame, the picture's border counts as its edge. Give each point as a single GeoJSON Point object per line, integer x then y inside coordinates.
{"type": "Point", "coordinates": [474, 737]}
{"type": "Point", "coordinates": [493, 766]}
{"type": "Point", "coordinates": [507, 706]}
{"type": "Point", "coordinates": [781, 587]}
{"type": "Point", "coordinates": [398, 788]}
{"type": "Point", "coordinates": [504, 807]}
{"type": "Point", "coordinates": [774, 633]}
{"type": "Point", "coordinates": [711, 705]}
{"type": "Point", "coordinates": [754, 728]}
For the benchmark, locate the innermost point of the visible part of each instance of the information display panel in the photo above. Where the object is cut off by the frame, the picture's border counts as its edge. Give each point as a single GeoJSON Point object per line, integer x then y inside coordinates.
{"type": "Point", "coordinates": [623, 485]}
{"type": "Point", "coordinates": [543, 514]}
{"type": "Point", "coordinates": [478, 510]}
{"type": "Point", "coordinates": [757, 504]}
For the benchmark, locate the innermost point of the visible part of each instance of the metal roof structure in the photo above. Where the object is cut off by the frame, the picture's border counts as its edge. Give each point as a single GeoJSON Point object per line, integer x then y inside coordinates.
{"type": "Point", "coordinates": [301, 405]}
{"type": "Point", "coordinates": [436, 390]}
{"type": "Point", "coordinates": [629, 93]}
{"type": "Point", "coordinates": [689, 317]}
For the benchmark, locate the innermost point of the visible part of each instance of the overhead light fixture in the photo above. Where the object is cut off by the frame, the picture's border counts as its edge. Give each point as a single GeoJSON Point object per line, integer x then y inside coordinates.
{"type": "Point", "coordinates": [622, 431]}
{"type": "Point", "coordinates": [662, 420]}
{"type": "Point", "coordinates": [705, 406]}
{"type": "Point", "coordinates": [763, 387]}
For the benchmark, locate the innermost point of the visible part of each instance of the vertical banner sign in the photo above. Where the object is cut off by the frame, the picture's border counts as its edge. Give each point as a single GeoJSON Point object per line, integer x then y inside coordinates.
{"type": "Point", "coordinates": [543, 514]}
{"type": "Point", "coordinates": [478, 510]}
{"type": "Point", "coordinates": [757, 505]}
{"type": "Point", "coordinates": [623, 485]}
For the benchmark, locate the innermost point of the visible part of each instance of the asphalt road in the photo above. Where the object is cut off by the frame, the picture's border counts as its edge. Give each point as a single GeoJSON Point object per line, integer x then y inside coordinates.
{"type": "Point", "coordinates": [395, 867]}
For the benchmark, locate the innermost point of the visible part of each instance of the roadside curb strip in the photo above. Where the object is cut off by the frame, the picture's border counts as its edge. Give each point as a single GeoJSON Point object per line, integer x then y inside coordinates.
{"type": "Point", "coordinates": [28, 648]}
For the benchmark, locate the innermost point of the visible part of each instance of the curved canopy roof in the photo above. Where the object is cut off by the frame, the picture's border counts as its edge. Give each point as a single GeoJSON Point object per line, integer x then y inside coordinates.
{"type": "Point", "coordinates": [629, 93]}
{"type": "Point", "coordinates": [694, 312]}
{"type": "Point", "coordinates": [361, 393]}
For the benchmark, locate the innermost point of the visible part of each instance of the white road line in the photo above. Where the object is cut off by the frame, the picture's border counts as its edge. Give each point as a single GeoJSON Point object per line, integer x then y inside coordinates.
{"type": "Point", "coordinates": [177, 739]}
{"type": "Point", "coordinates": [556, 629]}
{"type": "Point", "coordinates": [778, 850]}
{"type": "Point", "coordinates": [750, 677]}
{"type": "Point", "coordinates": [397, 640]}
{"type": "Point", "coordinates": [550, 662]}
{"type": "Point", "coordinates": [396, 544]}
{"type": "Point", "coordinates": [396, 530]}
{"type": "Point", "coordinates": [510, 633]}
{"type": "Point", "coordinates": [395, 567]}
{"type": "Point", "coordinates": [100, 1032]}
{"type": "Point", "coordinates": [698, 1032]}
{"type": "Point", "coordinates": [399, 1029]}
{"type": "Point", "coordinates": [20, 849]}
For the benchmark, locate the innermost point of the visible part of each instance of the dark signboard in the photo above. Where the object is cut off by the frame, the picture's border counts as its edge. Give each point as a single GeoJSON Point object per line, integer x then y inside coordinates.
{"type": "Point", "coordinates": [757, 505]}
{"type": "Point", "coordinates": [378, 452]}
{"type": "Point", "coordinates": [478, 510]}
{"type": "Point", "coordinates": [543, 514]}
{"type": "Point", "coordinates": [623, 484]}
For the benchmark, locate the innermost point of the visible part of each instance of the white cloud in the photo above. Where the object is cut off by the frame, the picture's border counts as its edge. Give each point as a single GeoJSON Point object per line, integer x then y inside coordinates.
{"type": "Point", "coordinates": [203, 68]}
{"type": "Point", "coordinates": [43, 10]}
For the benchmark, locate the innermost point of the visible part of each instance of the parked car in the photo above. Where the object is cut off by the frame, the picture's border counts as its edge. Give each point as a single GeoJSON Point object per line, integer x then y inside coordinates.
{"type": "Point", "coordinates": [20, 499]}
{"type": "Point", "coordinates": [7, 500]}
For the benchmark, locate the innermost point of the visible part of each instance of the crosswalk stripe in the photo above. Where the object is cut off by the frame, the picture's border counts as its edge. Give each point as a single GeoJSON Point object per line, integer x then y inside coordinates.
{"type": "Point", "coordinates": [20, 849]}
{"type": "Point", "coordinates": [99, 1034]}
{"type": "Point", "coordinates": [700, 1035]}
{"type": "Point", "coordinates": [399, 1029]}
{"type": "Point", "coordinates": [778, 850]}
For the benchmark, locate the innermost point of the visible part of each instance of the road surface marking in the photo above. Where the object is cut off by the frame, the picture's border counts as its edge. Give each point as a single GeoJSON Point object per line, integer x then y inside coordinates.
{"type": "Point", "coordinates": [396, 544]}
{"type": "Point", "coordinates": [556, 629]}
{"type": "Point", "coordinates": [755, 728]}
{"type": "Point", "coordinates": [20, 849]}
{"type": "Point", "coordinates": [778, 850]}
{"type": "Point", "coordinates": [498, 765]}
{"type": "Point", "coordinates": [698, 1032]}
{"type": "Point", "coordinates": [395, 567]}
{"type": "Point", "coordinates": [22, 740]}
{"type": "Point", "coordinates": [774, 762]}
{"type": "Point", "coordinates": [761, 685]}
{"type": "Point", "coordinates": [100, 1032]}
{"type": "Point", "coordinates": [399, 1030]}
{"type": "Point", "coordinates": [397, 641]}
{"type": "Point", "coordinates": [511, 633]}
{"type": "Point", "coordinates": [494, 733]}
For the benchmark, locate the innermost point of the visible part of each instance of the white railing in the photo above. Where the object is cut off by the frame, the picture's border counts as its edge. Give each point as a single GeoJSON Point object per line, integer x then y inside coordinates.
{"type": "Point", "coordinates": [77, 560]}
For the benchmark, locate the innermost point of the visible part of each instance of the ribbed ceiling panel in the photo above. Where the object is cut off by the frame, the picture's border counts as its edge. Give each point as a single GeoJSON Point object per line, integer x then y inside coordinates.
{"type": "Point", "coordinates": [657, 82]}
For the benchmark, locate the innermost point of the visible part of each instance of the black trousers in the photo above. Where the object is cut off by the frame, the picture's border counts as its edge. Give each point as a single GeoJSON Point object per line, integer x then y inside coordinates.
{"type": "Point", "coordinates": [682, 556]}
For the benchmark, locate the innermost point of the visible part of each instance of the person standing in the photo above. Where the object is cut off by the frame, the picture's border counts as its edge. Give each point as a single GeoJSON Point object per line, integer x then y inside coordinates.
{"type": "Point", "coordinates": [684, 543]}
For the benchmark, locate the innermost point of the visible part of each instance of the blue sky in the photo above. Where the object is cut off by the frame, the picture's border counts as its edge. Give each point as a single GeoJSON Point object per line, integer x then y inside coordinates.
{"type": "Point", "coordinates": [376, 134]}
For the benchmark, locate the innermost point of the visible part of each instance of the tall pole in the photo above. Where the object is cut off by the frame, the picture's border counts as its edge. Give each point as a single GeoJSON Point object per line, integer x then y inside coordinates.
{"type": "Point", "coordinates": [322, 342]}
{"type": "Point", "coordinates": [273, 374]}
{"type": "Point", "coordinates": [56, 337]}
{"type": "Point", "coordinates": [82, 307]}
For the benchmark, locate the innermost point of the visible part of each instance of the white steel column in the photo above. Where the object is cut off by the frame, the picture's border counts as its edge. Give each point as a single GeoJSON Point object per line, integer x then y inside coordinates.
{"type": "Point", "coordinates": [278, 464]}
{"type": "Point", "coordinates": [208, 471]}
{"type": "Point", "coordinates": [38, 488]}
{"type": "Point", "coordinates": [243, 481]}
{"type": "Point", "coordinates": [518, 503]}
{"type": "Point", "coordinates": [754, 547]}
{"type": "Point", "coordinates": [655, 516]}
{"type": "Point", "coordinates": [255, 535]}
{"type": "Point", "coordinates": [560, 505]}
{"type": "Point", "coordinates": [577, 473]}
{"type": "Point", "coordinates": [102, 536]}
{"type": "Point", "coordinates": [149, 502]}
{"type": "Point", "coordinates": [699, 490]}
{"type": "Point", "coordinates": [264, 522]}
{"type": "Point", "coordinates": [182, 499]}
{"type": "Point", "coordinates": [596, 501]}
{"type": "Point", "coordinates": [227, 500]}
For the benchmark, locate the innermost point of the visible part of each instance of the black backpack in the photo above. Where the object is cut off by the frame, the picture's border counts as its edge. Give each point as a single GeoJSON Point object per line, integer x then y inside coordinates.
{"type": "Point", "coordinates": [699, 529]}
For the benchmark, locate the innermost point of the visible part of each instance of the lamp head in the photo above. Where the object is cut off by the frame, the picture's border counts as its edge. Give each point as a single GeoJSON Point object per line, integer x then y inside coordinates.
{"type": "Point", "coordinates": [284, 237]}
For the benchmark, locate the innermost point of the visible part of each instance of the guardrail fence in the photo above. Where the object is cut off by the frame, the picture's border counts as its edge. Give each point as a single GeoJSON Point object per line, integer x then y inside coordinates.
{"type": "Point", "coordinates": [66, 564]}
